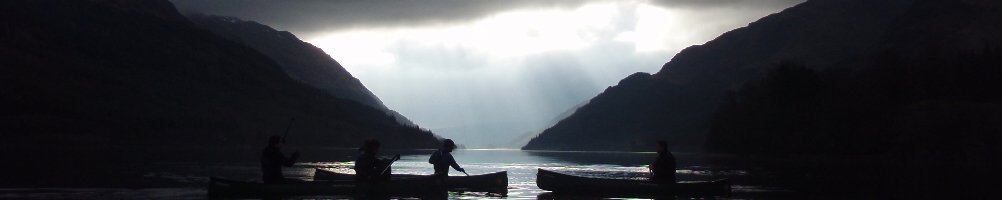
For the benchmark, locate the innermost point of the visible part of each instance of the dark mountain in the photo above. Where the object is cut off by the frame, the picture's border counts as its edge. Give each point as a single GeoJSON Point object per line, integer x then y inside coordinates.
{"type": "Point", "coordinates": [300, 60]}
{"type": "Point", "coordinates": [925, 103]}
{"type": "Point", "coordinates": [122, 72]}
{"type": "Point", "coordinates": [675, 103]}
{"type": "Point", "coordinates": [931, 85]}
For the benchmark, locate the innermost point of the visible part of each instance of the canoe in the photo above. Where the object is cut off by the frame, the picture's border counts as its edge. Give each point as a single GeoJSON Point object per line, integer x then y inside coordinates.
{"type": "Point", "coordinates": [569, 184]}
{"type": "Point", "coordinates": [221, 187]}
{"type": "Point", "coordinates": [323, 174]}
{"type": "Point", "coordinates": [496, 182]}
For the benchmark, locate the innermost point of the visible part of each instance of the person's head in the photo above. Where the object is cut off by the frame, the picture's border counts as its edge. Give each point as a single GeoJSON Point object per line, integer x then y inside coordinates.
{"type": "Point", "coordinates": [448, 145]}
{"type": "Point", "coordinates": [276, 141]}
{"type": "Point", "coordinates": [371, 146]}
{"type": "Point", "coordinates": [662, 146]}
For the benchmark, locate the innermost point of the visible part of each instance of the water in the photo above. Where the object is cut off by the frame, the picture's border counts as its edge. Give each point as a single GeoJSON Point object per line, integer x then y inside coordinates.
{"type": "Point", "coordinates": [183, 173]}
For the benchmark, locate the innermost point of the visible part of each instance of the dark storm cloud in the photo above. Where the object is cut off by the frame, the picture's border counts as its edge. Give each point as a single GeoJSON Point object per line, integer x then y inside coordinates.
{"type": "Point", "coordinates": [320, 15]}
{"type": "Point", "coordinates": [308, 16]}
{"type": "Point", "coordinates": [702, 4]}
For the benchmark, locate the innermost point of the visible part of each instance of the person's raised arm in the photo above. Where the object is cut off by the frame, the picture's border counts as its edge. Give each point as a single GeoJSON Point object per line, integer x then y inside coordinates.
{"type": "Point", "coordinates": [288, 162]}
{"type": "Point", "coordinates": [452, 162]}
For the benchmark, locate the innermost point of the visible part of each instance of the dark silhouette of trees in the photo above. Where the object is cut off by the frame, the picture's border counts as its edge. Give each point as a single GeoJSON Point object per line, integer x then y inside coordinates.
{"type": "Point", "coordinates": [928, 105]}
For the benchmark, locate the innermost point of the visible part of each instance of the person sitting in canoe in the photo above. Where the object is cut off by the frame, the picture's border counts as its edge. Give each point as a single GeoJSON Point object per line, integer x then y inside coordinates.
{"type": "Point", "coordinates": [663, 168]}
{"type": "Point", "coordinates": [368, 168]}
{"type": "Point", "coordinates": [272, 161]}
{"type": "Point", "coordinates": [442, 159]}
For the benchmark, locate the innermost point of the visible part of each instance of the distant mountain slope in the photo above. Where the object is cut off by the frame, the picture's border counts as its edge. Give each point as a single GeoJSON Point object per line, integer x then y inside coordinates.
{"type": "Point", "coordinates": [130, 72]}
{"type": "Point", "coordinates": [675, 103]}
{"type": "Point", "coordinates": [300, 60]}
{"type": "Point", "coordinates": [524, 138]}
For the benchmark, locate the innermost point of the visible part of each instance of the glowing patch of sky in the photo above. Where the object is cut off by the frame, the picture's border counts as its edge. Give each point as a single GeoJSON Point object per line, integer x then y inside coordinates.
{"type": "Point", "coordinates": [520, 67]}
{"type": "Point", "coordinates": [507, 35]}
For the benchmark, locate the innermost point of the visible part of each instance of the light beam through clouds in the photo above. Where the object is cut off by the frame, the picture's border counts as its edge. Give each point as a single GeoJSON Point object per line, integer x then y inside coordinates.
{"type": "Point", "coordinates": [486, 79]}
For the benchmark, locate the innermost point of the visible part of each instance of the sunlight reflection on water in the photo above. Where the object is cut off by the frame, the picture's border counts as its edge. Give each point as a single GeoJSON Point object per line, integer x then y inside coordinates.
{"type": "Point", "coordinates": [520, 165]}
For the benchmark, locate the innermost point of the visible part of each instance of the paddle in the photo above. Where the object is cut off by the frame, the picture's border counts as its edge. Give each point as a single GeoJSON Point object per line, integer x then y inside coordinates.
{"type": "Point", "coordinates": [287, 130]}
{"type": "Point", "coordinates": [395, 158]}
{"type": "Point", "coordinates": [284, 138]}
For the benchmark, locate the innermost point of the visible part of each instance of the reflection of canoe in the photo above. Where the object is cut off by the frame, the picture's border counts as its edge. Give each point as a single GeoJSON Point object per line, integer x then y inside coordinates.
{"type": "Point", "coordinates": [569, 184]}
{"type": "Point", "coordinates": [496, 182]}
{"type": "Point", "coordinates": [220, 187]}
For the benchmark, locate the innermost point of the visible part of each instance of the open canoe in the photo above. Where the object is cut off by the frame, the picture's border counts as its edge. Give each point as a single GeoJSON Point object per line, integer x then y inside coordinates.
{"type": "Point", "coordinates": [496, 182]}
{"type": "Point", "coordinates": [569, 184]}
{"type": "Point", "coordinates": [323, 175]}
{"type": "Point", "coordinates": [220, 187]}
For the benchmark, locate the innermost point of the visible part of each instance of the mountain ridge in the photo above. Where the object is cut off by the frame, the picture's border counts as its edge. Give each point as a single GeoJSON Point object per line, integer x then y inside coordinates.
{"type": "Point", "coordinates": [120, 73]}
{"type": "Point", "coordinates": [302, 61]}
{"type": "Point", "coordinates": [674, 103]}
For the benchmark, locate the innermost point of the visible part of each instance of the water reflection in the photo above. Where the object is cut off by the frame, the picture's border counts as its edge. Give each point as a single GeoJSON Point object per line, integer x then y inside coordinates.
{"type": "Point", "coordinates": [589, 158]}
{"type": "Point", "coordinates": [522, 165]}
{"type": "Point", "coordinates": [186, 171]}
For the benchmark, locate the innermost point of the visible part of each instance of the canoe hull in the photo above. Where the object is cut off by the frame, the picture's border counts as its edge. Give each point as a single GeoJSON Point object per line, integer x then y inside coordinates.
{"type": "Point", "coordinates": [496, 182]}
{"type": "Point", "coordinates": [327, 175]}
{"type": "Point", "coordinates": [569, 184]}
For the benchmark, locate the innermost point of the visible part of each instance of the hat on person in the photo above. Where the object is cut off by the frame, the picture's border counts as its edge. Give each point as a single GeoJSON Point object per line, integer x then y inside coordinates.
{"type": "Point", "coordinates": [449, 143]}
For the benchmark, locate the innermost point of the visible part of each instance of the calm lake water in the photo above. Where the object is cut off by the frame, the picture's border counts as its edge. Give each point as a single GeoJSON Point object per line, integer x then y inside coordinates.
{"type": "Point", "coordinates": [183, 174]}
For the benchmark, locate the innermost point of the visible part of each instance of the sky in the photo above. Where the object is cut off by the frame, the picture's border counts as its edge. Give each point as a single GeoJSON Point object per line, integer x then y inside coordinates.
{"type": "Point", "coordinates": [483, 72]}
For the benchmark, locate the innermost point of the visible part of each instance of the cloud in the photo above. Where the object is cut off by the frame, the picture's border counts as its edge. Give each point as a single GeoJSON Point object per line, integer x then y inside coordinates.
{"type": "Point", "coordinates": [333, 15]}
{"type": "Point", "coordinates": [314, 16]}
{"type": "Point", "coordinates": [746, 4]}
